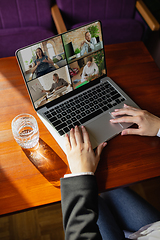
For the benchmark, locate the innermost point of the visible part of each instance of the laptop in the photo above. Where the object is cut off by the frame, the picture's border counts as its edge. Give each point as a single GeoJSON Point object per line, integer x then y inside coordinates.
{"type": "Point", "coordinates": [66, 78]}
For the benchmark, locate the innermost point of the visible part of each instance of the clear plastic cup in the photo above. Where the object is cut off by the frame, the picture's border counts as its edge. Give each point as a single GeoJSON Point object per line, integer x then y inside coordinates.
{"type": "Point", "coordinates": [25, 130]}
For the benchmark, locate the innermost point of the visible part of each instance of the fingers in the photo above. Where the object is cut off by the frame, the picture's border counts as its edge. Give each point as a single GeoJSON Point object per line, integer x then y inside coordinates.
{"type": "Point", "coordinates": [130, 107]}
{"type": "Point", "coordinates": [67, 143]}
{"type": "Point", "coordinates": [72, 138]}
{"type": "Point", "coordinates": [78, 136]}
{"type": "Point", "coordinates": [100, 148]}
{"type": "Point", "coordinates": [130, 113]}
{"type": "Point", "coordinates": [126, 110]}
{"type": "Point", "coordinates": [125, 119]}
{"type": "Point", "coordinates": [131, 131]}
{"type": "Point", "coordinates": [75, 138]}
{"type": "Point", "coordinates": [85, 135]}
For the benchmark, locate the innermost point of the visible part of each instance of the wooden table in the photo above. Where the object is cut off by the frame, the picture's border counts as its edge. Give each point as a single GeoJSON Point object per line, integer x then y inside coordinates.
{"type": "Point", "coordinates": [125, 160]}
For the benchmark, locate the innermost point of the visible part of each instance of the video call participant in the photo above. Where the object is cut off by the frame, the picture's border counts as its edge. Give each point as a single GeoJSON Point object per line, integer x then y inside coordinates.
{"type": "Point", "coordinates": [58, 83]}
{"type": "Point", "coordinates": [88, 44]}
{"type": "Point", "coordinates": [90, 69]}
{"type": "Point", "coordinates": [87, 216]}
{"type": "Point", "coordinates": [42, 63]}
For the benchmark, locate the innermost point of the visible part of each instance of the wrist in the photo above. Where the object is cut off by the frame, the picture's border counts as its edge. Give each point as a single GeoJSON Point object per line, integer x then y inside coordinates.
{"type": "Point", "coordinates": [78, 174]}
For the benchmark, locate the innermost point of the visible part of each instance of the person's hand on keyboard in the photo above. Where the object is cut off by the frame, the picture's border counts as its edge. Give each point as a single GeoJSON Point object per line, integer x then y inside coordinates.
{"type": "Point", "coordinates": [148, 124]}
{"type": "Point", "coordinates": [80, 155]}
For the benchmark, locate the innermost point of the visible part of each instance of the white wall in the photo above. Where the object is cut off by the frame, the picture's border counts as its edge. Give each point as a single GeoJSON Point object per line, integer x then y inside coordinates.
{"type": "Point", "coordinates": [35, 88]}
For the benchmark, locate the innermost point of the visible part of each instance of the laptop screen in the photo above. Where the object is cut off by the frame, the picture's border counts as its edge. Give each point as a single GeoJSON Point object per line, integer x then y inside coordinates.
{"type": "Point", "coordinates": [57, 66]}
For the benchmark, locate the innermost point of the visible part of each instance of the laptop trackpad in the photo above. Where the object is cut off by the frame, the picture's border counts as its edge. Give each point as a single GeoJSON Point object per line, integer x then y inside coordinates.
{"type": "Point", "coordinates": [102, 129]}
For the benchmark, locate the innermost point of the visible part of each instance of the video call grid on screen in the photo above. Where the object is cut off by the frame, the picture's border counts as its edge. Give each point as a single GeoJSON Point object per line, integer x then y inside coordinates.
{"type": "Point", "coordinates": [74, 58]}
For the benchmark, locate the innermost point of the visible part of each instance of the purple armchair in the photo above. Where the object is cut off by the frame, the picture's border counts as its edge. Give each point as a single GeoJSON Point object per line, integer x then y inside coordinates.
{"type": "Point", "coordinates": [120, 20]}
{"type": "Point", "coordinates": [23, 22]}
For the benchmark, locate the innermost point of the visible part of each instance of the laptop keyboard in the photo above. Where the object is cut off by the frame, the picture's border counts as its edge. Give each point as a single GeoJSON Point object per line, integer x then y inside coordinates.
{"type": "Point", "coordinates": [83, 107]}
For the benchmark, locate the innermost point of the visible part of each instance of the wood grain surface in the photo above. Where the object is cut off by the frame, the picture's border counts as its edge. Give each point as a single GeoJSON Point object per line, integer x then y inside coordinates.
{"type": "Point", "coordinates": [125, 160]}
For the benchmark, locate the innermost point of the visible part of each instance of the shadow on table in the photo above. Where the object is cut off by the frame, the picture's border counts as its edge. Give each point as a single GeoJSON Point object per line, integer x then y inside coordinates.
{"type": "Point", "coordinates": [46, 160]}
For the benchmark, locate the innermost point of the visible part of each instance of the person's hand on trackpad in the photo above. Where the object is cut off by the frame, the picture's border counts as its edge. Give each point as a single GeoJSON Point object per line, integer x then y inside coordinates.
{"type": "Point", "coordinates": [148, 124]}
